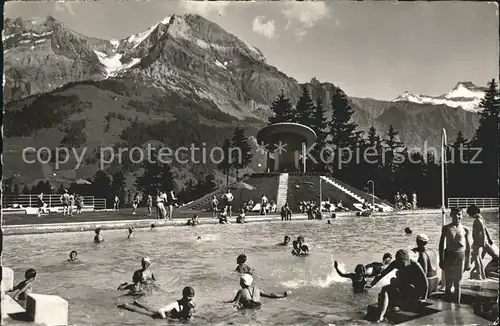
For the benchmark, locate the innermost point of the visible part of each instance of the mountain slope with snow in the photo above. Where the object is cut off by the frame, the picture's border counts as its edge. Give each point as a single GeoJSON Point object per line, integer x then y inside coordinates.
{"type": "Point", "coordinates": [464, 95]}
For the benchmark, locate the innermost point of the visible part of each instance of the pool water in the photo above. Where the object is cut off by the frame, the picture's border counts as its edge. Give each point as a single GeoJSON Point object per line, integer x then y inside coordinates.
{"type": "Point", "coordinates": [319, 296]}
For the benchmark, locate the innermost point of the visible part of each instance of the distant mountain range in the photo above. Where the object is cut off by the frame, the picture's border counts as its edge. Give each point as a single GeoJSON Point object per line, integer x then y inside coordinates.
{"type": "Point", "coordinates": [464, 95]}
{"type": "Point", "coordinates": [184, 71]}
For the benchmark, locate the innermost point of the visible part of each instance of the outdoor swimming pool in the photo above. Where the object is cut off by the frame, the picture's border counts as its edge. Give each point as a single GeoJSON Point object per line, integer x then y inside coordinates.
{"type": "Point", "coordinates": [319, 296]}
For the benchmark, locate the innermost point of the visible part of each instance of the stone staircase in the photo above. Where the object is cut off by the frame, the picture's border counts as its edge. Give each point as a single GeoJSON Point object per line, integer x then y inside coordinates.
{"type": "Point", "coordinates": [359, 199]}
{"type": "Point", "coordinates": [281, 198]}
{"type": "Point", "coordinates": [342, 188]}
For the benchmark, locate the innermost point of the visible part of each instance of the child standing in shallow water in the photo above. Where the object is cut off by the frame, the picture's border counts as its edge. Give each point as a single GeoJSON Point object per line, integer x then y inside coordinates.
{"type": "Point", "coordinates": [98, 237]}
{"type": "Point", "coordinates": [357, 278]}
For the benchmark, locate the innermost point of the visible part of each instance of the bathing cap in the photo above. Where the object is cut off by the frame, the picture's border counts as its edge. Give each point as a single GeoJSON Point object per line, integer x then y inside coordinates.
{"type": "Point", "coordinates": [30, 273]}
{"type": "Point", "coordinates": [188, 292]}
{"type": "Point", "coordinates": [423, 238]}
{"type": "Point", "coordinates": [146, 259]}
{"type": "Point", "coordinates": [247, 279]}
{"type": "Point", "coordinates": [402, 255]}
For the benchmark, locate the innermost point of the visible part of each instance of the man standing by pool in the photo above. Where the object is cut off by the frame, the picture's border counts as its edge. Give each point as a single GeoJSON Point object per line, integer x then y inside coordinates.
{"type": "Point", "coordinates": [454, 252]}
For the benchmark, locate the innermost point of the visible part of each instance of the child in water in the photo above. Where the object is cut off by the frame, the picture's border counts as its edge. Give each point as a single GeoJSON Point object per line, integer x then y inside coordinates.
{"type": "Point", "coordinates": [180, 309]}
{"type": "Point", "coordinates": [130, 231]}
{"type": "Point", "coordinates": [248, 297]}
{"type": "Point", "coordinates": [242, 267]}
{"type": "Point", "coordinates": [286, 241]}
{"type": "Point", "coordinates": [357, 278]}
{"type": "Point", "coordinates": [73, 256]}
{"type": "Point", "coordinates": [98, 237]}
{"type": "Point", "coordinates": [22, 289]}
{"type": "Point", "coordinates": [299, 247]}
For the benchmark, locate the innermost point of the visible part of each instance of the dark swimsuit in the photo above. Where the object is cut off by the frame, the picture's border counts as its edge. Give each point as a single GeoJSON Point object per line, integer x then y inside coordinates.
{"type": "Point", "coordinates": [185, 313]}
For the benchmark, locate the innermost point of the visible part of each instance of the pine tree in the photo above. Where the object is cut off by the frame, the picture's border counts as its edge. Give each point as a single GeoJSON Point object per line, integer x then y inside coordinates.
{"type": "Point", "coordinates": [320, 126]}
{"type": "Point", "coordinates": [101, 186]}
{"type": "Point", "coordinates": [486, 138]}
{"type": "Point", "coordinates": [225, 165]}
{"type": "Point", "coordinates": [60, 190]}
{"type": "Point", "coordinates": [156, 176]}
{"type": "Point", "coordinates": [242, 157]}
{"type": "Point", "coordinates": [304, 109]}
{"type": "Point", "coordinates": [342, 129]}
{"type": "Point", "coordinates": [283, 110]}
{"type": "Point", "coordinates": [16, 190]}
{"type": "Point", "coordinates": [26, 190]}
{"type": "Point", "coordinates": [393, 152]}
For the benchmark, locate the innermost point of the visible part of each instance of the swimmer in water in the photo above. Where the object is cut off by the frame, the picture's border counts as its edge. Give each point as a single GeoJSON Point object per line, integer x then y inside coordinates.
{"type": "Point", "coordinates": [248, 297]}
{"type": "Point", "coordinates": [299, 247]}
{"type": "Point", "coordinates": [152, 227]}
{"type": "Point", "coordinates": [358, 277]}
{"type": "Point", "coordinates": [408, 231]}
{"type": "Point", "coordinates": [286, 241]}
{"type": "Point", "coordinates": [130, 231]}
{"type": "Point", "coordinates": [142, 279]}
{"type": "Point", "coordinates": [73, 256]}
{"type": "Point", "coordinates": [242, 266]}
{"type": "Point", "coordinates": [180, 309]}
{"type": "Point", "coordinates": [98, 237]}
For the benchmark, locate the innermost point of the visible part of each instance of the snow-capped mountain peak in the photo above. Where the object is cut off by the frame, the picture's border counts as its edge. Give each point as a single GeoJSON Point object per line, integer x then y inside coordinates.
{"type": "Point", "coordinates": [464, 95]}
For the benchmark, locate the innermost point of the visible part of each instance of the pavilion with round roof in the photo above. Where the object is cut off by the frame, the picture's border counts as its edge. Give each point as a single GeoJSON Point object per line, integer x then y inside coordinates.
{"type": "Point", "coordinates": [284, 143]}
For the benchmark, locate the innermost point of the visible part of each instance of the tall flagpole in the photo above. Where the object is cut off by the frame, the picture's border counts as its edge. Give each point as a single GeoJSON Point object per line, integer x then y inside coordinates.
{"type": "Point", "coordinates": [444, 143]}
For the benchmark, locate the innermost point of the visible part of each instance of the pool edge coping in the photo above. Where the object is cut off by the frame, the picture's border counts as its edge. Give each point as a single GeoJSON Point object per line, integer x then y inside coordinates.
{"type": "Point", "coordinates": [146, 223]}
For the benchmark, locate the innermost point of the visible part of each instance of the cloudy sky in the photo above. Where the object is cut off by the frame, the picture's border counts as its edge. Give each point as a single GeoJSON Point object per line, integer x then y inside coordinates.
{"type": "Point", "coordinates": [369, 49]}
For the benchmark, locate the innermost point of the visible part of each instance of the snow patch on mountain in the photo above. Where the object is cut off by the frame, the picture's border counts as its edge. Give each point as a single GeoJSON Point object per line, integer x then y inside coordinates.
{"type": "Point", "coordinates": [165, 20]}
{"type": "Point", "coordinates": [115, 43]}
{"type": "Point", "coordinates": [464, 95]}
{"type": "Point", "coordinates": [112, 64]}
{"type": "Point", "coordinates": [138, 38]}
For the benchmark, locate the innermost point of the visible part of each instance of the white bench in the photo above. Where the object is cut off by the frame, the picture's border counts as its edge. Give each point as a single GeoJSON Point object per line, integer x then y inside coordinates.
{"type": "Point", "coordinates": [47, 309]}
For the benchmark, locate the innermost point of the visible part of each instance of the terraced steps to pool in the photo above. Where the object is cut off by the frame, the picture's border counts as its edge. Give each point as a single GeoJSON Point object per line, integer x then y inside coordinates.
{"type": "Point", "coordinates": [282, 190]}
{"type": "Point", "coordinates": [306, 188]}
{"type": "Point", "coordinates": [358, 195]}
{"type": "Point", "coordinates": [261, 183]}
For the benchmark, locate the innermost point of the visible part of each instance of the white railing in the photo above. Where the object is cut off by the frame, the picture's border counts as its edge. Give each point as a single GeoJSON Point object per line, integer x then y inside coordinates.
{"type": "Point", "coordinates": [12, 201]}
{"type": "Point", "coordinates": [467, 201]}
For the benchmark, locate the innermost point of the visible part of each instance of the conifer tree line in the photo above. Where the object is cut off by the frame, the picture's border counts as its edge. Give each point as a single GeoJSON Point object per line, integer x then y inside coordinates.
{"type": "Point", "coordinates": [390, 164]}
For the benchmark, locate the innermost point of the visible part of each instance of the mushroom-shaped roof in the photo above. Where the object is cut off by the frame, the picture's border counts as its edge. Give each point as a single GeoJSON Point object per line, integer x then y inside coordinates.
{"type": "Point", "coordinates": [266, 133]}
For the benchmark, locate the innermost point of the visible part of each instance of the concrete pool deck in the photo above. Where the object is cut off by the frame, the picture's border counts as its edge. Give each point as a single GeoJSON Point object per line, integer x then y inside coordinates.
{"type": "Point", "coordinates": [118, 220]}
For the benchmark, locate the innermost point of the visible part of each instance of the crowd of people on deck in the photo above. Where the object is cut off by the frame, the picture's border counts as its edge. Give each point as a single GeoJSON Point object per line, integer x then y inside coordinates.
{"type": "Point", "coordinates": [402, 201]}
{"type": "Point", "coordinates": [416, 278]}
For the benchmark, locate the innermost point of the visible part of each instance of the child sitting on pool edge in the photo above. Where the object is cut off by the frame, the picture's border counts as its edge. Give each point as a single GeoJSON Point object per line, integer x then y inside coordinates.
{"type": "Point", "coordinates": [22, 289]}
{"type": "Point", "coordinates": [242, 267]}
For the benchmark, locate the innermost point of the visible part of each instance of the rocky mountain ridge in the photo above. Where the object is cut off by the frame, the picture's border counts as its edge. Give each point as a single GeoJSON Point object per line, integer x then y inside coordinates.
{"type": "Point", "coordinates": [184, 69]}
